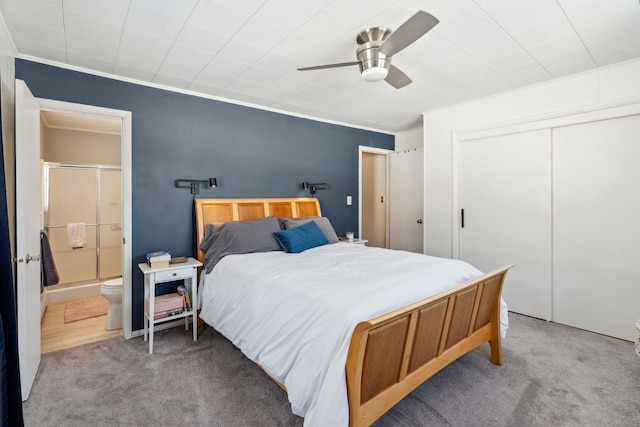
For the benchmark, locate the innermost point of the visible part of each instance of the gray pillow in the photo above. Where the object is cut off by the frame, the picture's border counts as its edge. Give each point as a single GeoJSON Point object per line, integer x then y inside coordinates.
{"type": "Point", "coordinates": [210, 235]}
{"type": "Point", "coordinates": [242, 237]}
{"type": "Point", "coordinates": [322, 222]}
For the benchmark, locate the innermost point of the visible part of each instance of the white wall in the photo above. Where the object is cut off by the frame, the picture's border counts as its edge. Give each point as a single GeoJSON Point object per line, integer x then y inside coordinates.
{"type": "Point", "coordinates": [409, 139]}
{"type": "Point", "coordinates": [617, 84]}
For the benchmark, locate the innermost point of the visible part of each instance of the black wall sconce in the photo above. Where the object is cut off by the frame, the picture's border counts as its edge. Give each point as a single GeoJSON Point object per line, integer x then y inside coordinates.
{"type": "Point", "coordinates": [194, 184]}
{"type": "Point", "coordinates": [314, 186]}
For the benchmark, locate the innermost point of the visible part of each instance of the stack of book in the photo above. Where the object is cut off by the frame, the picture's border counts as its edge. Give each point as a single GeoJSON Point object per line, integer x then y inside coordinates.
{"type": "Point", "coordinates": [166, 305]}
{"type": "Point", "coordinates": [186, 300]}
{"type": "Point", "coordinates": [158, 259]}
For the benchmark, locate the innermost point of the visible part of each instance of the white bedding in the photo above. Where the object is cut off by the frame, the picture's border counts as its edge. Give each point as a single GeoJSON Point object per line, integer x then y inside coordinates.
{"type": "Point", "coordinates": [265, 303]}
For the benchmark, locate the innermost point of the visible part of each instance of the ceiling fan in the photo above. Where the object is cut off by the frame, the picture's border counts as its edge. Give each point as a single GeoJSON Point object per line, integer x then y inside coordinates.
{"type": "Point", "coordinates": [376, 46]}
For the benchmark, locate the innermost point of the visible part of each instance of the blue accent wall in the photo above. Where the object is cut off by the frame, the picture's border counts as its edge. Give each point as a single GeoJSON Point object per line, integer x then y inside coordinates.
{"type": "Point", "coordinates": [252, 153]}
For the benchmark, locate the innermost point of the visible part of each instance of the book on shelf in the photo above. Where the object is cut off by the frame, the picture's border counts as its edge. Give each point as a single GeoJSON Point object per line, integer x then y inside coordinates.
{"type": "Point", "coordinates": [167, 302]}
{"type": "Point", "coordinates": [182, 290]}
{"type": "Point", "coordinates": [158, 259]}
{"type": "Point", "coordinates": [167, 313]}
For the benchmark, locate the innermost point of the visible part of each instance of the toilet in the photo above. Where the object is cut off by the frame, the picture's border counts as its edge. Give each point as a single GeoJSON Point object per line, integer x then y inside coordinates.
{"type": "Point", "coordinates": [112, 291]}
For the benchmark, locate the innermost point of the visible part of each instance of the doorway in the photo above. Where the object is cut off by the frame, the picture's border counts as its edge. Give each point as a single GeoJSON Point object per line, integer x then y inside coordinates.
{"type": "Point", "coordinates": [82, 186]}
{"type": "Point", "coordinates": [373, 200]}
{"type": "Point", "coordinates": [29, 218]}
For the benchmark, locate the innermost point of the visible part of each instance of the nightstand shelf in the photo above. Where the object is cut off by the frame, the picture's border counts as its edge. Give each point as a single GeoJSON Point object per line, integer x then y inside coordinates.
{"type": "Point", "coordinates": [186, 271]}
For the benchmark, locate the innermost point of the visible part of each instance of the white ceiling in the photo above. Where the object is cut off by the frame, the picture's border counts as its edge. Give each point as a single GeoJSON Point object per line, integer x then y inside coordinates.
{"type": "Point", "coordinates": [248, 50]}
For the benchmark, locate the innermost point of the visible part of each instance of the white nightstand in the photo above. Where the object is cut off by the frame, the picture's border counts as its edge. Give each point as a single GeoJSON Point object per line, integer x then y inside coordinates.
{"type": "Point", "coordinates": [187, 271]}
{"type": "Point", "coordinates": [356, 241]}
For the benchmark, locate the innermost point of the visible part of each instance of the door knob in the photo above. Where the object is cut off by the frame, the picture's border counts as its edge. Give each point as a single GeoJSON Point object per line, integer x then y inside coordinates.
{"type": "Point", "coordinates": [419, 221]}
{"type": "Point", "coordinates": [31, 258]}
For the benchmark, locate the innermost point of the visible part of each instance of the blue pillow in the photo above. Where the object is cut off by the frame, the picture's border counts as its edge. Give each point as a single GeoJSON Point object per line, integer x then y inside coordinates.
{"type": "Point", "coordinates": [301, 238]}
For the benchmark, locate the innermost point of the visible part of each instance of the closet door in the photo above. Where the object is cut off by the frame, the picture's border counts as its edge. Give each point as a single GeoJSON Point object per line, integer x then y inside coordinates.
{"type": "Point", "coordinates": [596, 240]}
{"type": "Point", "coordinates": [505, 192]}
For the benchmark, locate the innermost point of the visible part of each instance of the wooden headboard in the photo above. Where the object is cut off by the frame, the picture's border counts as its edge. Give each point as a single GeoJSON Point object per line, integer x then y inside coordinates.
{"type": "Point", "coordinates": [222, 210]}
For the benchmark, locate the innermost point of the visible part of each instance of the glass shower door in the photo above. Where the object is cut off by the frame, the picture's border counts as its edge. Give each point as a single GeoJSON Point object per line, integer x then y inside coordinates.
{"type": "Point", "coordinates": [72, 197]}
{"type": "Point", "coordinates": [110, 220]}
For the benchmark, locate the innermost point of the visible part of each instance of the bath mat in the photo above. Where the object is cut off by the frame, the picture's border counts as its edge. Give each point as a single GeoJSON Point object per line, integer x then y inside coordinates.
{"type": "Point", "coordinates": [85, 308]}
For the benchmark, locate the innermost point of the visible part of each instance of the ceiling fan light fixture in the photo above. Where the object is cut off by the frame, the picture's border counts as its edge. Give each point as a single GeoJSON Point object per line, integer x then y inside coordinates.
{"type": "Point", "coordinates": [375, 74]}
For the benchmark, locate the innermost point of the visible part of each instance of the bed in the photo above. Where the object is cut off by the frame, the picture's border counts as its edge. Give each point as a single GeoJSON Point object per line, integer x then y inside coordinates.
{"type": "Point", "coordinates": [347, 359]}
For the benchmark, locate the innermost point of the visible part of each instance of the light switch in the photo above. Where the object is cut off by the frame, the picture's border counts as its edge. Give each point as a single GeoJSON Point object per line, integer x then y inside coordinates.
{"type": "Point", "coordinates": [349, 200]}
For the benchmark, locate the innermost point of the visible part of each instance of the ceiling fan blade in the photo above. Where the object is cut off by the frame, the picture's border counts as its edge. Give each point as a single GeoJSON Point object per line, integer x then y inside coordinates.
{"type": "Point", "coordinates": [397, 78]}
{"type": "Point", "coordinates": [320, 67]}
{"type": "Point", "coordinates": [414, 28]}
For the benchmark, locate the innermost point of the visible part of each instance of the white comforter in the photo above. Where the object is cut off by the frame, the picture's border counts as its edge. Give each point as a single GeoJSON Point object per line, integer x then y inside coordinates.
{"type": "Point", "coordinates": [294, 313]}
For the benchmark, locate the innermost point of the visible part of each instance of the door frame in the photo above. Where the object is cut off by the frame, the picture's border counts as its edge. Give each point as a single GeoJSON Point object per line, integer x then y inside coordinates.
{"type": "Point", "coordinates": [125, 164]}
{"type": "Point", "coordinates": [373, 150]}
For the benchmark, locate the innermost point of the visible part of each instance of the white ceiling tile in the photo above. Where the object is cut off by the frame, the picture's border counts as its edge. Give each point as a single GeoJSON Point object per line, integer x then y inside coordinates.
{"type": "Point", "coordinates": [39, 51]}
{"type": "Point", "coordinates": [83, 26]}
{"type": "Point", "coordinates": [41, 13]}
{"type": "Point", "coordinates": [276, 63]}
{"type": "Point", "coordinates": [567, 62]}
{"type": "Point", "coordinates": [285, 84]}
{"type": "Point", "coordinates": [217, 18]}
{"type": "Point", "coordinates": [91, 63]}
{"type": "Point", "coordinates": [178, 70]}
{"type": "Point", "coordinates": [286, 14]}
{"type": "Point", "coordinates": [201, 38]}
{"type": "Point", "coordinates": [134, 42]}
{"type": "Point", "coordinates": [246, 7]}
{"type": "Point", "coordinates": [96, 49]}
{"type": "Point", "coordinates": [92, 37]}
{"type": "Point", "coordinates": [259, 75]}
{"type": "Point", "coordinates": [178, 10]}
{"type": "Point", "coordinates": [149, 21]}
{"type": "Point", "coordinates": [142, 51]}
{"type": "Point", "coordinates": [171, 81]}
{"type": "Point", "coordinates": [260, 33]}
{"type": "Point", "coordinates": [203, 88]}
{"type": "Point", "coordinates": [188, 56]}
{"type": "Point", "coordinates": [594, 12]}
{"type": "Point", "coordinates": [134, 73]}
{"type": "Point", "coordinates": [41, 36]}
{"type": "Point", "coordinates": [212, 79]}
{"type": "Point", "coordinates": [138, 60]}
{"type": "Point", "coordinates": [242, 51]}
{"type": "Point", "coordinates": [226, 66]}
{"type": "Point", "coordinates": [114, 11]}
{"type": "Point", "coordinates": [242, 85]}
{"type": "Point", "coordinates": [356, 12]}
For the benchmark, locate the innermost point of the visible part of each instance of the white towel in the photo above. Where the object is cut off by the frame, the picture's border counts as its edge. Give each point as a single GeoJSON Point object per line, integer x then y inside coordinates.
{"type": "Point", "coordinates": [77, 235]}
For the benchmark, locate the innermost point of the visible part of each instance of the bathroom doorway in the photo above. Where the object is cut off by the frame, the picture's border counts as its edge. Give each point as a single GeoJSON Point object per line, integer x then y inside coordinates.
{"type": "Point", "coordinates": [82, 188]}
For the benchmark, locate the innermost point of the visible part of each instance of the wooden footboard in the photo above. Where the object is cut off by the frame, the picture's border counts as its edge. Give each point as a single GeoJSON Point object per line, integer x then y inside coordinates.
{"type": "Point", "coordinates": [391, 355]}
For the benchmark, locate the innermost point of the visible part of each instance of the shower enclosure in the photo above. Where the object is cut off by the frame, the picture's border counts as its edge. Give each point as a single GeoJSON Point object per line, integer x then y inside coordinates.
{"type": "Point", "coordinates": [92, 195]}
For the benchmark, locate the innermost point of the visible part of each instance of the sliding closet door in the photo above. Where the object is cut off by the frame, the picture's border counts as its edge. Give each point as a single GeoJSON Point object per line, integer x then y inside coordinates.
{"type": "Point", "coordinates": [596, 228]}
{"type": "Point", "coordinates": [505, 192]}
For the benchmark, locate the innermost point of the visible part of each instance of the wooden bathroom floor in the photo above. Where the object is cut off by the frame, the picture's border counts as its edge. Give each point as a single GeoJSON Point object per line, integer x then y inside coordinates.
{"type": "Point", "coordinates": [56, 335]}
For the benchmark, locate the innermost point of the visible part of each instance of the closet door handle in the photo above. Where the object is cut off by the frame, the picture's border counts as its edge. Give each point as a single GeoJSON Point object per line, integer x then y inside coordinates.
{"type": "Point", "coordinates": [462, 218]}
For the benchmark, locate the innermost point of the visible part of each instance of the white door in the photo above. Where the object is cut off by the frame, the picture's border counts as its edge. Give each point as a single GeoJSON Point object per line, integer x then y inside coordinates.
{"type": "Point", "coordinates": [406, 182]}
{"type": "Point", "coordinates": [28, 225]}
{"type": "Point", "coordinates": [505, 193]}
{"type": "Point", "coordinates": [596, 233]}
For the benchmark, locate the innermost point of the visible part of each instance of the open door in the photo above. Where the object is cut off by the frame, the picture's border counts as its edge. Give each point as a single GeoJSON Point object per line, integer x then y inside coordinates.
{"type": "Point", "coordinates": [28, 225]}
{"type": "Point", "coordinates": [406, 195]}
{"type": "Point", "coordinates": [374, 225]}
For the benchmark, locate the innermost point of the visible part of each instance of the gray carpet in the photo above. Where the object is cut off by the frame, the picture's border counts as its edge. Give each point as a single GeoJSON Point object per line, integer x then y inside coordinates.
{"type": "Point", "coordinates": [552, 376]}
